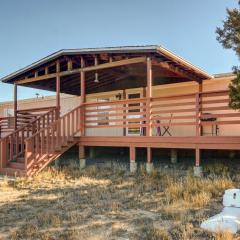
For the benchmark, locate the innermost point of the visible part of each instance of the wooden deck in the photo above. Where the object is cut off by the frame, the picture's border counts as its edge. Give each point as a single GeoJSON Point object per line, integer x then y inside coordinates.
{"type": "Point", "coordinates": [213, 142]}
{"type": "Point", "coordinates": [42, 135]}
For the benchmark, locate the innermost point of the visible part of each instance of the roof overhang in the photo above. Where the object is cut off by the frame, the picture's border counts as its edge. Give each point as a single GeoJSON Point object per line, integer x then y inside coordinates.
{"type": "Point", "coordinates": [116, 67]}
{"type": "Point", "coordinates": [155, 49]}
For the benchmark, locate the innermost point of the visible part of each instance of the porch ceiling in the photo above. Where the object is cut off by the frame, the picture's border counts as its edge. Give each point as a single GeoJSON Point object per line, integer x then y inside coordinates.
{"type": "Point", "coordinates": [167, 68]}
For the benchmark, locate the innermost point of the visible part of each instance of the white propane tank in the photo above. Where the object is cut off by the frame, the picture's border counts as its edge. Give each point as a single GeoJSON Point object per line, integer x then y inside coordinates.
{"type": "Point", "coordinates": [231, 198]}
{"type": "Point", "coordinates": [229, 218]}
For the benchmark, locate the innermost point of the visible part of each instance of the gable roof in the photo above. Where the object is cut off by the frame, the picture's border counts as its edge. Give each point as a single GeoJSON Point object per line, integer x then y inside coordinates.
{"type": "Point", "coordinates": [124, 49]}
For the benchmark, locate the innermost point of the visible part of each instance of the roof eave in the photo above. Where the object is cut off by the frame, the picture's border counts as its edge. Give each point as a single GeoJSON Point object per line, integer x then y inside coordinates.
{"type": "Point", "coordinates": [129, 49]}
{"type": "Point", "coordinates": [150, 48]}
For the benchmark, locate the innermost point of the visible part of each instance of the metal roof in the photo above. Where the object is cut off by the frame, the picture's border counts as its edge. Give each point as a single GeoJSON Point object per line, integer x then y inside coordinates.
{"type": "Point", "coordinates": [124, 49]}
{"type": "Point", "coordinates": [220, 75]}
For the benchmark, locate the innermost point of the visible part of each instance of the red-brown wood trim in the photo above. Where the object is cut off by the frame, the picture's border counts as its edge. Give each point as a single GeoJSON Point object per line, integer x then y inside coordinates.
{"type": "Point", "coordinates": [15, 106]}
{"type": "Point", "coordinates": [58, 95]}
{"type": "Point", "coordinates": [149, 96]}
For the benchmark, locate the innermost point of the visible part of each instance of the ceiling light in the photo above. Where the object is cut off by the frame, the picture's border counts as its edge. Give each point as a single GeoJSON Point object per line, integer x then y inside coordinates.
{"type": "Point", "coordinates": [96, 80]}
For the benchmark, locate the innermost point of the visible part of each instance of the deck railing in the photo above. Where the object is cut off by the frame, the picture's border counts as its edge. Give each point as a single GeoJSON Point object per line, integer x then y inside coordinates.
{"type": "Point", "coordinates": [169, 115]}
{"type": "Point", "coordinates": [13, 145]}
{"type": "Point", "coordinates": [116, 114]}
{"type": "Point", "coordinates": [25, 116]}
{"type": "Point", "coordinates": [6, 125]}
{"type": "Point", "coordinates": [50, 139]}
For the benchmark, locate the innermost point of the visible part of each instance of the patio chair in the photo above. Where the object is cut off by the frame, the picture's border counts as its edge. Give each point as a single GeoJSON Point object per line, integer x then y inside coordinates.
{"type": "Point", "coordinates": [166, 128]}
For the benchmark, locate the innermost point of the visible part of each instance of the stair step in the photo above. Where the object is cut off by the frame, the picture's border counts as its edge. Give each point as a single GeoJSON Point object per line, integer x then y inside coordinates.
{"type": "Point", "coordinates": [17, 165]}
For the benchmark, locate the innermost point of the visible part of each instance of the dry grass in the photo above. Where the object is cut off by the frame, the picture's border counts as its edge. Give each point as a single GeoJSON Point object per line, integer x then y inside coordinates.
{"type": "Point", "coordinates": [112, 204]}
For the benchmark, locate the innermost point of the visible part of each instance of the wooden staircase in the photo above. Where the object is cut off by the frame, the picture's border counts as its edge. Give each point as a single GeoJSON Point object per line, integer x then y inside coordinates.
{"type": "Point", "coordinates": [29, 149]}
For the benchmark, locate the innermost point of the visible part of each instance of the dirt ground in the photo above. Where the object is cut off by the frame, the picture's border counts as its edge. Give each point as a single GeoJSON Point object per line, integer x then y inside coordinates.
{"type": "Point", "coordinates": [110, 203]}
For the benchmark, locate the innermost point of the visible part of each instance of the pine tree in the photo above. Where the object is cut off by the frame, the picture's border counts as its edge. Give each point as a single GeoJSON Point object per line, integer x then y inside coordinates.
{"type": "Point", "coordinates": [229, 37]}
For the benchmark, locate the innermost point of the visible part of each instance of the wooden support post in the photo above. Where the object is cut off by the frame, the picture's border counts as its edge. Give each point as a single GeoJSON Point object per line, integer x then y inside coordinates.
{"type": "Point", "coordinates": [58, 88]}
{"type": "Point", "coordinates": [133, 164]}
{"type": "Point", "coordinates": [3, 153]}
{"type": "Point", "coordinates": [149, 96]}
{"type": "Point", "coordinates": [58, 96]}
{"type": "Point", "coordinates": [124, 117]}
{"type": "Point", "coordinates": [15, 106]}
{"type": "Point", "coordinates": [149, 165]}
{"type": "Point", "coordinates": [132, 153]}
{"type": "Point", "coordinates": [81, 152]}
{"type": "Point", "coordinates": [149, 154]}
{"type": "Point", "coordinates": [197, 170]}
{"type": "Point", "coordinates": [198, 109]}
{"type": "Point", "coordinates": [83, 97]}
{"type": "Point", "coordinates": [197, 157]}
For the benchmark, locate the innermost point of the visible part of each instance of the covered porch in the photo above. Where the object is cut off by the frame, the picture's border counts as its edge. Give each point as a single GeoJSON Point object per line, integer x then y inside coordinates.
{"type": "Point", "coordinates": [133, 96]}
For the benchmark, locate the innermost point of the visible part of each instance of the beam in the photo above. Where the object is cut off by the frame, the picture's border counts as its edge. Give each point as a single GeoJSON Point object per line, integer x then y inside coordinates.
{"type": "Point", "coordinates": [85, 69]}
{"type": "Point", "coordinates": [171, 68]}
{"type": "Point", "coordinates": [115, 64]}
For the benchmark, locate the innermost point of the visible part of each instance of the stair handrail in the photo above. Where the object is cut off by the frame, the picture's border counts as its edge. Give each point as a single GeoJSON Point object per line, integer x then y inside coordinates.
{"type": "Point", "coordinates": [53, 123]}
{"type": "Point", "coordinates": [14, 138]}
{"type": "Point", "coordinates": [52, 137]}
{"type": "Point", "coordinates": [30, 123]}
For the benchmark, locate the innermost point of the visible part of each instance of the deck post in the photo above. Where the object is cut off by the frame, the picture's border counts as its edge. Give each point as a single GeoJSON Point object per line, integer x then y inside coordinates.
{"type": "Point", "coordinates": [3, 153]}
{"type": "Point", "coordinates": [149, 96]}
{"type": "Point", "coordinates": [124, 96]}
{"type": "Point", "coordinates": [173, 156]}
{"type": "Point", "coordinates": [82, 158]}
{"type": "Point", "coordinates": [133, 164]}
{"type": "Point", "coordinates": [149, 165]}
{"type": "Point", "coordinates": [15, 105]}
{"type": "Point", "coordinates": [197, 170]}
{"type": "Point", "coordinates": [58, 96]}
{"type": "Point", "coordinates": [198, 110]}
{"type": "Point", "coordinates": [58, 106]}
{"type": "Point", "coordinates": [82, 98]}
{"type": "Point", "coordinates": [58, 89]}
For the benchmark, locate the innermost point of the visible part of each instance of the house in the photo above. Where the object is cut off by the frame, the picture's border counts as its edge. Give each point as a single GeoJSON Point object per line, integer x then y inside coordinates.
{"type": "Point", "coordinates": [142, 96]}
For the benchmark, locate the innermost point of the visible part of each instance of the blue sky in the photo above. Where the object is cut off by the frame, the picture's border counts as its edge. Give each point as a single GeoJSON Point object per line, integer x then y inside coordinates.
{"type": "Point", "coordinates": [31, 29]}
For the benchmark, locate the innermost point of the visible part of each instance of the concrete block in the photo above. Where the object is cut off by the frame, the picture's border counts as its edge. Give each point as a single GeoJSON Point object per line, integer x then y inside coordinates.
{"type": "Point", "coordinates": [133, 166]}
{"type": "Point", "coordinates": [197, 171]}
{"type": "Point", "coordinates": [82, 163]}
{"type": "Point", "coordinates": [149, 167]}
